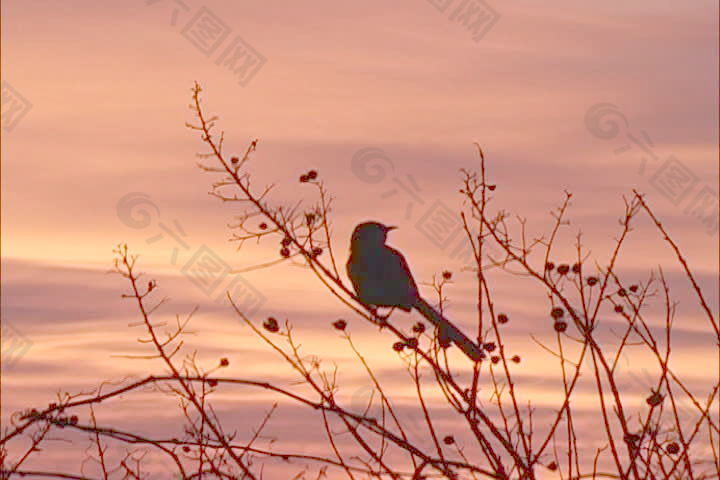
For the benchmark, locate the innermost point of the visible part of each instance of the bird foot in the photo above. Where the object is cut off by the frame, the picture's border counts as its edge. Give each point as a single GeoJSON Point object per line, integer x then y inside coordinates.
{"type": "Point", "coordinates": [381, 320]}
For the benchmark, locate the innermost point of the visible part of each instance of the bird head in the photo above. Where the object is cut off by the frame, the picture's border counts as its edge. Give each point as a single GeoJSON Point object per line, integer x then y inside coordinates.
{"type": "Point", "coordinates": [369, 234]}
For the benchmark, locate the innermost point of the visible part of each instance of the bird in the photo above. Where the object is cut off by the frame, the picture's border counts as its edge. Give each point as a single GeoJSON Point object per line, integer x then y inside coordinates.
{"type": "Point", "coordinates": [381, 277]}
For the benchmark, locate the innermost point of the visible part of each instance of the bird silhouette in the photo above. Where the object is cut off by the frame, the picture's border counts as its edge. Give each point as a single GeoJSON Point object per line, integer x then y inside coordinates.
{"type": "Point", "coordinates": [381, 278]}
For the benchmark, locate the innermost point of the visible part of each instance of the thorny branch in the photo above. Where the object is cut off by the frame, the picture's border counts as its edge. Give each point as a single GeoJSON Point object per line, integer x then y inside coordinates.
{"type": "Point", "coordinates": [495, 432]}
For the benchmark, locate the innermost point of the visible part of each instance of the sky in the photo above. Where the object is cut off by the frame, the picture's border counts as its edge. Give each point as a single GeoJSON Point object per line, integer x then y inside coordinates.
{"type": "Point", "coordinates": [384, 100]}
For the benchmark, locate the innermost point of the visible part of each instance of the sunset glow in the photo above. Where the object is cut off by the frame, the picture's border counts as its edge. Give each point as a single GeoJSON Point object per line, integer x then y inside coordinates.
{"type": "Point", "coordinates": [387, 103]}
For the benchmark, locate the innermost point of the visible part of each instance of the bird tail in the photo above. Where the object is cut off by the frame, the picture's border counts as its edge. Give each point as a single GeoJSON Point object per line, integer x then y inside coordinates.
{"type": "Point", "coordinates": [447, 331]}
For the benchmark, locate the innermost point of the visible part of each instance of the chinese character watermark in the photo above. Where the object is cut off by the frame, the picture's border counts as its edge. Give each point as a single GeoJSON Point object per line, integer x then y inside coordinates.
{"type": "Point", "coordinates": [205, 268]}
{"type": "Point", "coordinates": [671, 178]}
{"type": "Point", "coordinates": [13, 345]}
{"type": "Point", "coordinates": [14, 107]}
{"type": "Point", "coordinates": [475, 16]}
{"type": "Point", "coordinates": [437, 222]}
{"type": "Point", "coordinates": [207, 32]}
{"type": "Point", "coordinates": [674, 180]}
{"type": "Point", "coordinates": [242, 59]}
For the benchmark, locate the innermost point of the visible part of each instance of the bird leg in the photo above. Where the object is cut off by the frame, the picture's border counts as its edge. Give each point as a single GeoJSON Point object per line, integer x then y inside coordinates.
{"type": "Point", "coordinates": [381, 320]}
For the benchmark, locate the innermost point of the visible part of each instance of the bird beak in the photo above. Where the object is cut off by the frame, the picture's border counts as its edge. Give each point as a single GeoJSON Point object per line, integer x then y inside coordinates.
{"type": "Point", "coordinates": [387, 229]}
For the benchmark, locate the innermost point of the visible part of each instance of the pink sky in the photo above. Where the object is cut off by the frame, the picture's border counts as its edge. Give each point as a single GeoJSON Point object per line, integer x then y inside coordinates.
{"type": "Point", "coordinates": [109, 84]}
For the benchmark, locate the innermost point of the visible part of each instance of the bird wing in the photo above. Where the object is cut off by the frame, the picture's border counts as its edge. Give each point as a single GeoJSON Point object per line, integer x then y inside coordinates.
{"type": "Point", "coordinates": [381, 277]}
{"type": "Point", "coordinates": [353, 273]}
{"type": "Point", "coordinates": [397, 271]}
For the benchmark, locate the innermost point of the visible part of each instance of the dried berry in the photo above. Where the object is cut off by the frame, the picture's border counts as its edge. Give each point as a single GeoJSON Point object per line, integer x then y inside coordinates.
{"type": "Point", "coordinates": [286, 241]}
{"type": "Point", "coordinates": [549, 266]}
{"type": "Point", "coordinates": [560, 326]}
{"type": "Point", "coordinates": [448, 440]}
{"type": "Point", "coordinates": [622, 292]}
{"type": "Point", "coordinates": [492, 187]}
{"type": "Point", "coordinates": [186, 448]}
{"type": "Point", "coordinates": [672, 448]}
{"type": "Point", "coordinates": [576, 268]}
{"type": "Point", "coordinates": [285, 252]}
{"type": "Point", "coordinates": [447, 275]}
{"type": "Point", "coordinates": [592, 281]}
{"type": "Point", "coordinates": [563, 269]}
{"type": "Point", "coordinates": [502, 318]}
{"type": "Point", "coordinates": [317, 251]}
{"type": "Point", "coordinates": [271, 325]}
{"type": "Point", "coordinates": [516, 358]}
{"type": "Point", "coordinates": [234, 160]}
{"type": "Point", "coordinates": [398, 346]}
{"type": "Point", "coordinates": [304, 178]}
{"type": "Point", "coordinates": [224, 362]}
{"type": "Point", "coordinates": [74, 420]}
{"type": "Point", "coordinates": [489, 346]}
{"type": "Point", "coordinates": [633, 288]}
{"type": "Point", "coordinates": [263, 226]}
{"type": "Point", "coordinates": [618, 309]}
{"type": "Point", "coordinates": [557, 313]}
{"type": "Point", "coordinates": [495, 359]}
{"type": "Point", "coordinates": [419, 327]}
{"type": "Point", "coordinates": [412, 343]}
{"type": "Point", "coordinates": [552, 466]}
{"type": "Point", "coordinates": [212, 382]}
{"type": "Point", "coordinates": [340, 324]}
{"type": "Point", "coordinates": [655, 399]}
{"type": "Point", "coordinates": [312, 175]}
